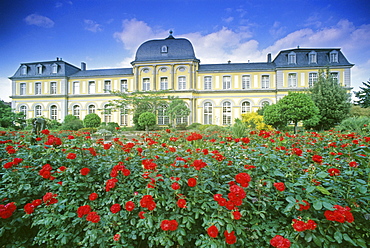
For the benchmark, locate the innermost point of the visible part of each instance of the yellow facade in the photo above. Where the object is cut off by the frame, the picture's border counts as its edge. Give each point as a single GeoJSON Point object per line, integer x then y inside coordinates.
{"type": "Point", "coordinates": [215, 93]}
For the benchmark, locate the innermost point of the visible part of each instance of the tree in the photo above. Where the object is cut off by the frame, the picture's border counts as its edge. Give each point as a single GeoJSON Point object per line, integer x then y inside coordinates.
{"type": "Point", "coordinates": [9, 118]}
{"type": "Point", "coordinates": [177, 109]}
{"type": "Point", "coordinates": [71, 122]}
{"type": "Point", "coordinates": [272, 116]}
{"type": "Point", "coordinates": [357, 111]}
{"type": "Point", "coordinates": [364, 95]}
{"type": "Point", "coordinates": [147, 119]}
{"type": "Point", "coordinates": [92, 120]}
{"type": "Point", "coordinates": [139, 102]}
{"type": "Point", "coordinates": [332, 100]}
{"type": "Point", "coordinates": [296, 107]}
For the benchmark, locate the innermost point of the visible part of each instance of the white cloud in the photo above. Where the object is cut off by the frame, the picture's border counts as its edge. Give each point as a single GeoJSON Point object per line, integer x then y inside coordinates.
{"type": "Point", "coordinates": [38, 20]}
{"type": "Point", "coordinates": [6, 89]}
{"type": "Point", "coordinates": [92, 26]}
{"type": "Point", "coordinates": [228, 20]}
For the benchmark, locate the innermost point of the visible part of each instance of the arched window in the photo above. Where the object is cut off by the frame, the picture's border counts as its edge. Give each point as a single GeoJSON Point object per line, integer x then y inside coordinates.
{"type": "Point", "coordinates": [54, 112]}
{"type": "Point", "coordinates": [76, 111]}
{"type": "Point", "coordinates": [226, 113]}
{"type": "Point", "coordinates": [38, 111]}
{"type": "Point", "coordinates": [246, 107]}
{"type": "Point", "coordinates": [107, 113]}
{"type": "Point", "coordinates": [265, 103]}
{"type": "Point", "coordinates": [91, 109]}
{"type": "Point", "coordinates": [207, 111]}
{"type": "Point", "coordinates": [23, 109]}
{"type": "Point", "coordinates": [162, 116]}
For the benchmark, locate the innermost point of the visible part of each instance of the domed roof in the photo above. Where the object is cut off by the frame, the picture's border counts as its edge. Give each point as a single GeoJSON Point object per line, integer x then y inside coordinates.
{"type": "Point", "coordinates": [170, 48]}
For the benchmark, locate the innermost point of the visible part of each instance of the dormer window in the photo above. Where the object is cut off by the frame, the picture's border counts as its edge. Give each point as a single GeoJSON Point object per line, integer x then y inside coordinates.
{"type": "Point", "coordinates": [292, 58]}
{"type": "Point", "coordinates": [24, 70]}
{"type": "Point", "coordinates": [312, 57]}
{"type": "Point", "coordinates": [164, 49]}
{"type": "Point", "coordinates": [54, 68]}
{"type": "Point", "coordinates": [333, 57]}
{"type": "Point", "coordinates": [39, 69]}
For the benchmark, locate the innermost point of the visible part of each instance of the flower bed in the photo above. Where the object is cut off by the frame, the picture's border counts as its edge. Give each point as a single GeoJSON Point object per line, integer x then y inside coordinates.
{"type": "Point", "coordinates": [185, 190]}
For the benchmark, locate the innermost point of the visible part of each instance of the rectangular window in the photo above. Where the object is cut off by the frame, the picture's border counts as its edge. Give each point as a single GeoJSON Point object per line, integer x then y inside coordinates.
{"type": "Point", "coordinates": [39, 69]}
{"type": "Point", "coordinates": [146, 84]}
{"type": "Point", "coordinates": [53, 87]}
{"type": "Point", "coordinates": [107, 86]}
{"type": "Point", "coordinates": [333, 57]}
{"type": "Point", "coordinates": [334, 76]}
{"type": "Point", "coordinates": [124, 117]}
{"type": "Point", "coordinates": [226, 83]}
{"type": "Point", "coordinates": [312, 78]}
{"type": "Point", "coordinates": [313, 58]}
{"type": "Point", "coordinates": [246, 82]}
{"type": "Point", "coordinates": [22, 89]}
{"type": "Point", "coordinates": [124, 86]}
{"type": "Point", "coordinates": [76, 87]}
{"type": "Point", "coordinates": [292, 80]}
{"type": "Point", "coordinates": [38, 88]}
{"type": "Point", "coordinates": [291, 59]}
{"type": "Point", "coordinates": [182, 83]}
{"type": "Point", "coordinates": [207, 83]}
{"type": "Point", "coordinates": [265, 83]}
{"type": "Point", "coordinates": [164, 83]}
{"type": "Point", "coordinates": [92, 87]}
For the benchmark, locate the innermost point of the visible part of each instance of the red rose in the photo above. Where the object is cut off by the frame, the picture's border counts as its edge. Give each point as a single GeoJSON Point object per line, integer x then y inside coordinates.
{"type": "Point", "coordinates": [130, 206]}
{"type": "Point", "coordinates": [279, 186]}
{"type": "Point", "coordinates": [181, 203]}
{"type": "Point", "coordinates": [93, 196]}
{"type": "Point", "coordinates": [280, 242]}
{"type": "Point", "coordinates": [115, 208]}
{"type": "Point", "coordinates": [192, 182]}
{"type": "Point", "coordinates": [110, 184]}
{"type": "Point", "coordinates": [169, 225]}
{"type": "Point", "coordinates": [212, 231]}
{"type": "Point", "coordinates": [49, 198]}
{"type": "Point", "coordinates": [317, 159]}
{"type": "Point", "coordinates": [116, 237]}
{"type": "Point", "coordinates": [7, 210]}
{"type": "Point", "coordinates": [304, 207]}
{"type": "Point", "coordinates": [141, 215]}
{"type": "Point", "coordinates": [84, 171]}
{"type": "Point", "coordinates": [353, 164]}
{"type": "Point", "coordinates": [237, 215]}
{"type": "Point", "coordinates": [230, 238]}
{"type": "Point", "coordinates": [93, 217]}
{"type": "Point", "coordinates": [83, 210]}
{"type": "Point", "coordinates": [334, 172]}
{"type": "Point", "coordinates": [243, 179]}
{"type": "Point", "coordinates": [299, 225]}
{"type": "Point", "coordinates": [29, 208]}
{"type": "Point", "coordinates": [175, 186]}
{"type": "Point", "coordinates": [71, 155]}
{"type": "Point", "coordinates": [8, 165]}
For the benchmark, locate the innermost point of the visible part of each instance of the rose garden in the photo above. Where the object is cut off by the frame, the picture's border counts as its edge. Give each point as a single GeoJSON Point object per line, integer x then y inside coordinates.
{"type": "Point", "coordinates": [185, 189]}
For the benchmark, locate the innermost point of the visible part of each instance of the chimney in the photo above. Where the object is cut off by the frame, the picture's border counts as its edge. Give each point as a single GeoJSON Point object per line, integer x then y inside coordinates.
{"type": "Point", "coordinates": [83, 66]}
{"type": "Point", "coordinates": [229, 61]}
{"type": "Point", "coordinates": [269, 58]}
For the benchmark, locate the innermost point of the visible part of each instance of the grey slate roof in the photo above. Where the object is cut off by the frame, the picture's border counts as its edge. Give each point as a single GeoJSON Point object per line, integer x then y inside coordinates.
{"type": "Point", "coordinates": [64, 70]}
{"type": "Point", "coordinates": [236, 67]}
{"type": "Point", "coordinates": [103, 72]}
{"type": "Point", "coordinates": [177, 49]}
{"type": "Point", "coordinates": [302, 58]}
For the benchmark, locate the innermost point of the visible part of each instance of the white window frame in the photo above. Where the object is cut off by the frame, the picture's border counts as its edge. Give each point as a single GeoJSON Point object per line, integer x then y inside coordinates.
{"type": "Point", "coordinates": [38, 111]}
{"type": "Point", "coordinates": [53, 88]}
{"type": "Point", "coordinates": [39, 69]}
{"type": "Point", "coordinates": [265, 81]}
{"type": "Point", "coordinates": [76, 88]}
{"type": "Point", "coordinates": [163, 85]}
{"type": "Point", "coordinates": [107, 114]}
{"type": "Point", "coordinates": [226, 82]}
{"type": "Point", "coordinates": [91, 109]}
{"type": "Point", "coordinates": [124, 85]}
{"type": "Point", "coordinates": [292, 80]}
{"type": "Point", "coordinates": [181, 83]}
{"type": "Point", "coordinates": [22, 88]}
{"type": "Point", "coordinates": [207, 82]}
{"type": "Point", "coordinates": [246, 107]}
{"type": "Point", "coordinates": [333, 57]}
{"type": "Point", "coordinates": [107, 86]}
{"type": "Point", "coordinates": [292, 58]}
{"type": "Point", "coordinates": [92, 87]}
{"type": "Point", "coordinates": [226, 113]}
{"type": "Point", "coordinates": [124, 117]}
{"type": "Point", "coordinates": [146, 84]}
{"type": "Point", "coordinates": [246, 82]}
{"type": "Point", "coordinates": [54, 68]}
{"type": "Point", "coordinates": [312, 78]}
{"type": "Point", "coordinates": [163, 119]}
{"type": "Point", "coordinates": [208, 113]}
{"type": "Point", "coordinates": [53, 112]}
{"type": "Point", "coordinates": [24, 70]}
{"type": "Point", "coordinates": [335, 76]}
{"type": "Point", "coordinates": [23, 109]}
{"type": "Point", "coordinates": [38, 88]}
{"type": "Point", "coordinates": [312, 57]}
{"type": "Point", "coordinates": [76, 111]}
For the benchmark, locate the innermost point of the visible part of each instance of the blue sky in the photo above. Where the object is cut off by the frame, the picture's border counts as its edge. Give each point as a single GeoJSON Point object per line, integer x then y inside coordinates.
{"type": "Point", "coordinates": [106, 33]}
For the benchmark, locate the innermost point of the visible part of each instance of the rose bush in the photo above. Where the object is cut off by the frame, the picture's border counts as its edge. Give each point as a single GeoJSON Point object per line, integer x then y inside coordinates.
{"type": "Point", "coordinates": [185, 190]}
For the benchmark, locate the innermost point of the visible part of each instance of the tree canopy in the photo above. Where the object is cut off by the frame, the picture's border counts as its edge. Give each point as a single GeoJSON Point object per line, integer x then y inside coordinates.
{"type": "Point", "coordinates": [363, 95]}
{"type": "Point", "coordinates": [9, 118]}
{"type": "Point", "coordinates": [332, 100]}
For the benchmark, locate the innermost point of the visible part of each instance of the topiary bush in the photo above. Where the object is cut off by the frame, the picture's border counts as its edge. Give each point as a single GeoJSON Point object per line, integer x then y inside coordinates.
{"type": "Point", "coordinates": [92, 120]}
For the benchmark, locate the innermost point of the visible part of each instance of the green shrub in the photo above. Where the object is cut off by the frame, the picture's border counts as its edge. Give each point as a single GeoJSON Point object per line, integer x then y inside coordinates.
{"type": "Point", "coordinates": [147, 120]}
{"type": "Point", "coordinates": [239, 129]}
{"type": "Point", "coordinates": [194, 126]}
{"type": "Point", "coordinates": [92, 120]}
{"type": "Point", "coordinates": [72, 125]}
{"type": "Point", "coordinates": [359, 125]}
{"type": "Point", "coordinates": [88, 129]}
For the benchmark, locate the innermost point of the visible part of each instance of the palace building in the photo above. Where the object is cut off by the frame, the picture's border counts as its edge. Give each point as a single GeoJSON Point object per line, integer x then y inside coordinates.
{"type": "Point", "coordinates": [215, 93]}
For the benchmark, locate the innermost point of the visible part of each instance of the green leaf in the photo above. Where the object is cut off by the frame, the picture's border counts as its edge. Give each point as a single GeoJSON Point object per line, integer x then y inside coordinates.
{"type": "Point", "coordinates": [363, 189]}
{"type": "Point", "coordinates": [317, 205]}
{"type": "Point", "coordinates": [317, 240]}
{"type": "Point", "coordinates": [322, 174]}
{"type": "Point", "coordinates": [290, 199]}
{"type": "Point", "coordinates": [229, 227]}
{"type": "Point", "coordinates": [310, 189]}
{"type": "Point", "coordinates": [348, 238]}
{"type": "Point", "coordinates": [323, 190]}
{"type": "Point", "coordinates": [328, 205]}
{"type": "Point", "coordinates": [338, 236]}
{"type": "Point", "coordinates": [308, 237]}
